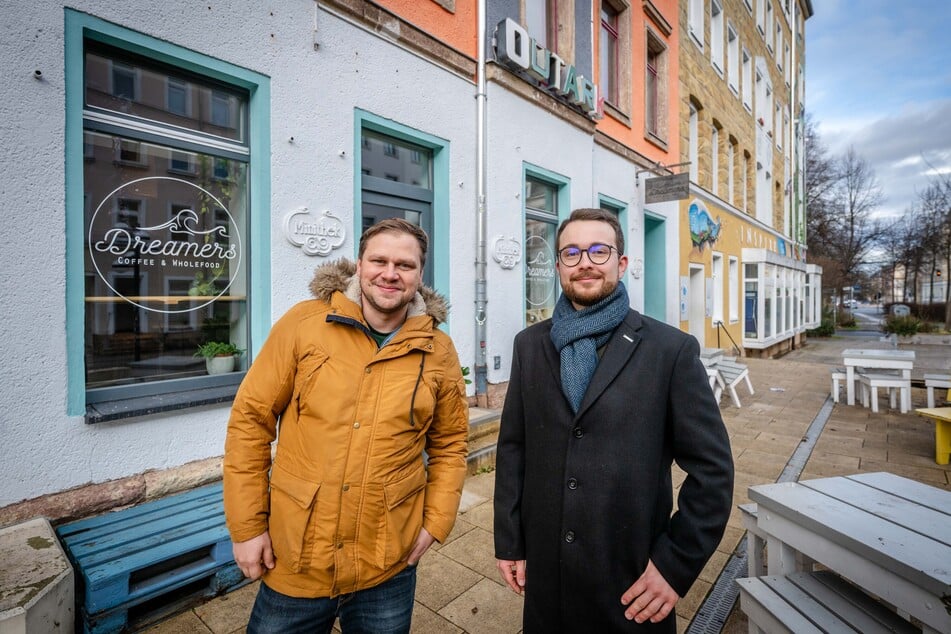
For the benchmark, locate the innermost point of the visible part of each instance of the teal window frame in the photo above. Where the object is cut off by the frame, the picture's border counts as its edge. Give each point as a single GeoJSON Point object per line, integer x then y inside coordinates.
{"type": "Point", "coordinates": [620, 208]}
{"type": "Point", "coordinates": [82, 26]}
{"type": "Point", "coordinates": [442, 217]}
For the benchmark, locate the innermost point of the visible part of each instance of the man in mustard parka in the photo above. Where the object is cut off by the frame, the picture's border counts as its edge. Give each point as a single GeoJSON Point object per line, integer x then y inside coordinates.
{"type": "Point", "coordinates": [355, 385]}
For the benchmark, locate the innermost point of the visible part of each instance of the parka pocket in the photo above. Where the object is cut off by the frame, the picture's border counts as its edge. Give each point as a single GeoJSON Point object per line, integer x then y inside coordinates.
{"type": "Point", "coordinates": [291, 521]}
{"type": "Point", "coordinates": [307, 376]}
{"type": "Point", "coordinates": [404, 515]}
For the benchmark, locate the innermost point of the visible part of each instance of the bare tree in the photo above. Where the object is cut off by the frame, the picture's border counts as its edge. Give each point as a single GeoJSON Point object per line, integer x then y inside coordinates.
{"type": "Point", "coordinates": [821, 177]}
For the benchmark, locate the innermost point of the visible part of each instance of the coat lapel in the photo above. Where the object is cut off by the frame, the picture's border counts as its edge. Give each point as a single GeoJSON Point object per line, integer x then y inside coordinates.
{"type": "Point", "coordinates": [618, 351]}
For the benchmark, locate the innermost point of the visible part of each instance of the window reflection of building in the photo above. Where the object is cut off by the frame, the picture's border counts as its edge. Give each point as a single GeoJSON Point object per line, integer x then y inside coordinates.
{"type": "Point", "coordinates": [151, 289]}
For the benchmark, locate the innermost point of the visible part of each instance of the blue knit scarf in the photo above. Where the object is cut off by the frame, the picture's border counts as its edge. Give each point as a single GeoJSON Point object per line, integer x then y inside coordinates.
{"type": "Point", "coordinates": [577, 335]}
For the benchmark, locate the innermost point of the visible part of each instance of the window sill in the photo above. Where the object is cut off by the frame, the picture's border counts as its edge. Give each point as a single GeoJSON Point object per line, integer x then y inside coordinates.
{"type": "Point", "coordinates": [617, 113]}
{"type": "Point", "coordinates": [656, 140]}
{"type": "Point", "coordinates": [119, 409]}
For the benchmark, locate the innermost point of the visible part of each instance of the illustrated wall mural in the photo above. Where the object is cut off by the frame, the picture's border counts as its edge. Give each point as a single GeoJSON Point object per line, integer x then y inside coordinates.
{"type": "Point", "coordinates": [703, 230]}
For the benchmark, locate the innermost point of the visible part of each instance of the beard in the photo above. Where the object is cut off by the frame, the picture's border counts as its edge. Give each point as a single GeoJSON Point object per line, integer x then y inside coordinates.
{"type": "Point", "coordinates": [592, 296]}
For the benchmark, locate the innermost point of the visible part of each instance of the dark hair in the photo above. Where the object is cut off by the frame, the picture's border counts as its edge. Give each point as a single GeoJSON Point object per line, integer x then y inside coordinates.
{"type": "Point", "coordinates": [598, 215]}
{"type": "Point", "coordinates": [396, 225]}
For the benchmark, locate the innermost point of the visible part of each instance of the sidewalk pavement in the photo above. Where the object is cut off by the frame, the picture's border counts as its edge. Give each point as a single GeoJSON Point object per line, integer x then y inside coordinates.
{"type": "Point", "coordinates": [458, 588]}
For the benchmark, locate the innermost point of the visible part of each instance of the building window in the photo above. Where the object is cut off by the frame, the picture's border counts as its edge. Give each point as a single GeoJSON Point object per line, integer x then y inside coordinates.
{"type": "Point", "coordinates": [541, 222]}
{"type": "Point", "coordinates": [609, 52]}
{"type": "Point", "coordinates": [716, 35]}
{"type": "Point", "coordinates": [746, 182]}
{"type": "Point", "coordinates": [761, 16]}
{"type": "Point", "coordinates": [779, 45]}
{"type": "Point", "coordinates": [734, 297]}
{"type": "Point", "coordinates": [406, 188]}
{"type": "Point", "coordinates": [162, 253]}
{"type": "Point", "coordinates": [716, 266]}
{"type": "Point", "coordinates": [768, 26]}
{"type": "Point", "coordinates": [731, 170]}
{"type": "Point", "coordinates": [751, 307]}
{"type": "Point", "coordinates": [124, 82]}
{"type": "Point", "coordinates": [695, 20]}
{"type": "Point", "coordinates": [541, 20]}
{"type": "Point", "coordinates": [715, 159]}
{"type": "Point", "coordinates": [176, 92]}
{"type": "Point", "coordinates": [156, 281]}
{"type": "Point", "coordinates": [693, 144]}
{"type": "Point", "coordinates": [655, 88]}
{"type": "Point", "coordinates": [747, 81]}
{"type": "Point", "coordinates": [732, 59]}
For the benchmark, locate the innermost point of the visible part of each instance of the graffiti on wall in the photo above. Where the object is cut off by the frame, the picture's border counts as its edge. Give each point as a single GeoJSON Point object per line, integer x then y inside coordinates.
{"type": "Point", "coordinates": [703, 230]}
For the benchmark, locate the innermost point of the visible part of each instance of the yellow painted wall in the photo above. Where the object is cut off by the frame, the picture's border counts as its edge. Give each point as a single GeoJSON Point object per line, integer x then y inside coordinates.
{"type": "Point", "coordinates": [736, 232]}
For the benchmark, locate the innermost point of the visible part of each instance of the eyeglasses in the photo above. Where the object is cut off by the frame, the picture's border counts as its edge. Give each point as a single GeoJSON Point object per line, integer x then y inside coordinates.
{"type": "Point", "coordinates": [597, 253]}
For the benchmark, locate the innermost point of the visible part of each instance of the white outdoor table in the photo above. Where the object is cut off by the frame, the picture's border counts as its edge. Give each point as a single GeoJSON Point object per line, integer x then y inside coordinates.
{"type": "Point", "coordinates": [902, 360]}
{"type": "Point", "coordinates": [889, 535]}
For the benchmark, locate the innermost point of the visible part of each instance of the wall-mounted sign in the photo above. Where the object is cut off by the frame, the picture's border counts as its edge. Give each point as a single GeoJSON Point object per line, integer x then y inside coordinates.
{"type": "Point", "coordinates": [507, 252]}
{"type": "Point", "coordinates": [518, 51]}
{"type": "Point", "coordinates": [663, 188]}
{"type": "Point", "coordinates": [200, 241]}
{"type": "Point", "coordinates": [315, 235]}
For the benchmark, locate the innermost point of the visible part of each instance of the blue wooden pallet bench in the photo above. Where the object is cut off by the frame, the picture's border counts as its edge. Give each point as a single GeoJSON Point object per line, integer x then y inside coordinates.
{"type": "Point", "coordinates": [144, 562]}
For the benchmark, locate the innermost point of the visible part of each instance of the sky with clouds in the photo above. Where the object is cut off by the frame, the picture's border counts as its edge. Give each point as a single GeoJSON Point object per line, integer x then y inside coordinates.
{"type": "Point", "coordinates": [878, 78]}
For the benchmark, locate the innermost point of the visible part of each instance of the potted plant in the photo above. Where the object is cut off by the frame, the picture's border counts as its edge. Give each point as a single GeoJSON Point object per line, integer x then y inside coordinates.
{"type": "Point", "coordinates": [219, 356]}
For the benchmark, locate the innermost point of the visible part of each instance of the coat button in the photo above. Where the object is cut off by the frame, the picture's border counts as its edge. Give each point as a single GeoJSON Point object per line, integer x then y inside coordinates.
{"type": "Point", "coordinates": [572, 483]}
{"type": "Point", "coordinates": [578, 432]}
{"type": "Point", "coordinates": [346, 487]}
{"type": "Point", "coordinates": [356, 425]}
{"type": "Point", "coordinates": [570, 536]}
{"type": "Point", "coordinates": [340, 545]}
{"type": "Point", "coordinates": [368, 370]}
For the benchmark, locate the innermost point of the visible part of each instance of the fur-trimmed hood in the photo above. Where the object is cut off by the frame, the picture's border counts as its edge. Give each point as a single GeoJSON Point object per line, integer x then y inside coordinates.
{"type": "Point", "coordinates": [340, 275]}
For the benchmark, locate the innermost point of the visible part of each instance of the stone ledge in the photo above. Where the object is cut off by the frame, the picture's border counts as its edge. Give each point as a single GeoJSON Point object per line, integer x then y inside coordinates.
{"type": "Point", "coordinates": [36, 580]}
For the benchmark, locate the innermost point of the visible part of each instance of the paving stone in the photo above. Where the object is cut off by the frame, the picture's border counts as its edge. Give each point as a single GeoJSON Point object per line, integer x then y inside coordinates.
{"type": "Point", "coordinates": [229, 612]}
{"type": "Point", "coordinates": [482, 516]}
{"type": "Point", "coordinates": [440, 579]}
{"type": "Point", "coordinates": [476, 550]}
{"type": "Point", "coordinates": [486, 608]}
{"type": "Point", "coordinates": [425, 621]}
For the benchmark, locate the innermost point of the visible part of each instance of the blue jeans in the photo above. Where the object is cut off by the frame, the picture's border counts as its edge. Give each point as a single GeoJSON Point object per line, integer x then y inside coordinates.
{"type": "Point", "coordinates": [383, 609]}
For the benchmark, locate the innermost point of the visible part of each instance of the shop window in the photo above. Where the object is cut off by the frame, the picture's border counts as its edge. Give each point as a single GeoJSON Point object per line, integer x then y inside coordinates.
{"type": "Point", "coordinates": [542, 208]}
{"type": "Point", "coordinates": [163, 253]}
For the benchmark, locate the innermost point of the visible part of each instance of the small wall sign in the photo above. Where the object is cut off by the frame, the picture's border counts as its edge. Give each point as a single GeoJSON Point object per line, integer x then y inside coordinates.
{"type": "Point", "coordinates": [315, 235]}
{"type": "Point", "coordinates": [508, 252]}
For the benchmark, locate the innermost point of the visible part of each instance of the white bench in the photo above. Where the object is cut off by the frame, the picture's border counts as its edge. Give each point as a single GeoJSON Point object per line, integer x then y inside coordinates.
{"type": "Point", "coordinates": [716, 382]}
{"type": "Point", "coordinates": [896, 385]}
{"type": "Point", "coordinates": [839, 376]}
{"type": "Point", "coordinates": [732, 373]}
{"type": "Point", "coordinates": [932, 381]}
{"type": "Point", "coordinates": [818, 602]}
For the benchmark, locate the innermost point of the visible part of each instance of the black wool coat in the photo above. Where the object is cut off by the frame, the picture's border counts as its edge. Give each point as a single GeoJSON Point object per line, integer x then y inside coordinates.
{"type": "Point", "coordinates": [587, 499]}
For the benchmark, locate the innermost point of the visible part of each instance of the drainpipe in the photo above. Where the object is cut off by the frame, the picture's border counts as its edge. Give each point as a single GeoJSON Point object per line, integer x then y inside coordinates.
{"type": "Point", "coordinates": [481, 361]}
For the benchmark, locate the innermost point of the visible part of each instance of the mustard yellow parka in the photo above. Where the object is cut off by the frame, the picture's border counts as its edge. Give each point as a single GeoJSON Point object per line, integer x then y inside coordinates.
{"type": "Point", "coordinates": [348, 489]}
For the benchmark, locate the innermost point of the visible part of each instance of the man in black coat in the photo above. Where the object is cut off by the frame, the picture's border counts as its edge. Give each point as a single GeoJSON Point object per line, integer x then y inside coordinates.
{"type": "Point", "coordinates": [600, 401]}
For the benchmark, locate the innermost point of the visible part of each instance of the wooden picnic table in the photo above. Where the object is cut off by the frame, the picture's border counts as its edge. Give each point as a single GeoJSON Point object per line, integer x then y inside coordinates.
{"type": "Point", "coordinates": [941, 416]}
{"type": "Point", "coordinates": [887, 359]}
{"type": "Point", "coordinates": [888, 535]}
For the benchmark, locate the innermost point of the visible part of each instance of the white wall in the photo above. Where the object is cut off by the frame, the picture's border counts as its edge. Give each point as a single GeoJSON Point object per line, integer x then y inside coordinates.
{"type": "Point", "coordinates": [313, 93]}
